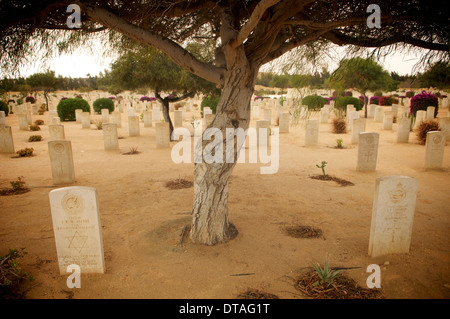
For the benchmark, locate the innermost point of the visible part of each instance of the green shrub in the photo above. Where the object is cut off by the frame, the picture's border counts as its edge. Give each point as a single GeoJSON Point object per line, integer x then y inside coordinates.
{"type": "Point", "coordinates": [342, 102]}
{"type": "Point", "coordinates": [34, 127]}
{"type": "Point", "coordinates": [103, 103]}
{"type": "Point", "coordinates": [210, 101]}
{"type": "Point", "coordinates": [35, 138]}
{"type": "Point", "coordinates": [25, 152]}
{"type": "Point", "coordinates": [378, 93]}
{"type": "Point", "coordinates": [66, 108]}
{"type": "Point", "coordinates": [314, 102]}
{"type": "Point", "coordinates": [4, 107]}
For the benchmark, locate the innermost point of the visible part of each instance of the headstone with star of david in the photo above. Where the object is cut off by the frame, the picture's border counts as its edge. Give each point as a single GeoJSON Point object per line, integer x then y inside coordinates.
{"type": "Point", "coordinates": [77, 229]}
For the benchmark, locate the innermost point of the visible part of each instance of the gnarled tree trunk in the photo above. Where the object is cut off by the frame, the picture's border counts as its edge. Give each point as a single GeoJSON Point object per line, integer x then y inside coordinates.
{"type": "Point", "coordinates": [210, 224]}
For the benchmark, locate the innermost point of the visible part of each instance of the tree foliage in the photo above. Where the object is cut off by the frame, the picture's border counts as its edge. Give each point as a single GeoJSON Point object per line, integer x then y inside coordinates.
{"type": "Point", "coordinates": [361, 74]}
{"type": "Point", "coordinates": [437, 75]}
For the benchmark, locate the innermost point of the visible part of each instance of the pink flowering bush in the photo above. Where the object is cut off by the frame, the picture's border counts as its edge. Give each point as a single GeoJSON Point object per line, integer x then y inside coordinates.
{"type": "Point", "coordinates": [422, 101]}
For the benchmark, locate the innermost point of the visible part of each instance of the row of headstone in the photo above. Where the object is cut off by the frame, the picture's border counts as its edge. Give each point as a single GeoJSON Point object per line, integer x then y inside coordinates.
{"type": "Point", "coordinates": [78, 231]}
{"type": "Point", "coordinates": [368, 149]}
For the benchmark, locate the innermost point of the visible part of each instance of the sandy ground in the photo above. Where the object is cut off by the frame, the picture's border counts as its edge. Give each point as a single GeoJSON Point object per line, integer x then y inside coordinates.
{"type": "Point", "coordinates": [142, 220]}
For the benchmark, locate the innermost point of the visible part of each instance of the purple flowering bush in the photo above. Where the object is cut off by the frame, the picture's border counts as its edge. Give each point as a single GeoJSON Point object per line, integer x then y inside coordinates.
{"type": "Point", "coordinates": [258, 98]}
{"type": "Point", "coordinates": [374, 100]}
{"type": "Point", "coordinates": [422, 101]}
{"type": "Point", "coordinates": [30, 99]}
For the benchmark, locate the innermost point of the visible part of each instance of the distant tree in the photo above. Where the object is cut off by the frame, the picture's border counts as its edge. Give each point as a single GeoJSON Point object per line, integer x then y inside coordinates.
{"type": "Point", "coordinates": [438, 76]}
{"type": "Point", "coordinates": [45, 82]}
{"type": "Point", "coordinates": [148, 68]}
{"type": "Point", "coordinates": [361, 74]}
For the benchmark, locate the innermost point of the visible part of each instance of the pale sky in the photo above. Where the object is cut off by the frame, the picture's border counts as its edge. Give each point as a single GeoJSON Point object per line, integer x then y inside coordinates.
{"type": "Point", "coordinates": [80, 64]}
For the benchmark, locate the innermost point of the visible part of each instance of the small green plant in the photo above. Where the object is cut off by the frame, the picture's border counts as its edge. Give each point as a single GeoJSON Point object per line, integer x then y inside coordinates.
{"type": "Point", "coordinates": [11, 274]}
{"type": "Point", "coordinates": [339, 143]}
{"type": "Point", "coordinates": [99, 125]}
{"type": "Point", "coordinates": [25, 152]}
{"type": "Point", "coordinates": [323, 167]}
{"type": "Point", "coordinates": [35, 138]}
{"type": "Point", "coordinates": [19, 184]}
{"type": "Point", "coordinates": [326, 275]}
{"type": "Point", "coordinates": [39, 122]}
{"type": "Point", "coordinates": [34, 127]}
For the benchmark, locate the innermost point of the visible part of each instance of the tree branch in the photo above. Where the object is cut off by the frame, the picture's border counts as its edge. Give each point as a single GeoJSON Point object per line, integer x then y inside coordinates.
{"type": "Point", "coordinates": [342, 39]}
{"type": "Point", "coordinates": [256, 16]}
{"type": "Point", "coordinates": [179, 55]}
{"type": "Point", "coordinates": [276, 53]}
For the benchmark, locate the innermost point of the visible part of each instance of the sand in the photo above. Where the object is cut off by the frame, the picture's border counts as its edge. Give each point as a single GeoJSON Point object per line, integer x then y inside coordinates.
{"type": "Point", "coordinates": [142, 220]}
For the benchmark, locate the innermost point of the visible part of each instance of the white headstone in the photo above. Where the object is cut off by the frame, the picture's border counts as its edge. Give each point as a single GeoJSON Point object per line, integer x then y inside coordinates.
{"type": "Point", "coordinates": [444, 123]}
{"type": "Point", "coordinates": [206, 110]}
{"type": "Point", "coordinates": [358, 126]}
{"type": "Point", "coordinates": [110, 136]}
{"type": "Point", "coordinates": [148, 119]}
{"type": "Point", "coordinates": [56, 132]}
{"type": "Point", "coordinates": [117, 118]}
{"type": "Point", "coordinates": [268, 114]}
{"type": "Point", "coordinates": [372, 108]}
{"type": "Point", "coordinates": [283, 122]}
{"type": "Point", "coordinates": [208, 119]}
{"type": "Point", "coordinates": [404, 126]}
{"type": "Point", "coordinates": [133, 125]}
{"type": "Point", "coordinates": [388, 120]}
{"type": "Point", "coordinates": [263, 133]}
{"type": "Point", "coordinates": [156, 113]}
{"type": "Point", "coordinates": [430, 112]}
{"type": "Point", "coordinates": [6, 139]}
{"type": "Point", "coordinates": [2, 118]}
{"type": "Point", "coordinates": [434, 149]}
{"type": "Point", "coordinates": [379, 113]}
{"type": "Point", "coordinates": [420, 117]}
{"type": "Point", "coordinates": [178, 118]}
{"type": "Point", "coordinates": [352, 116]}
{"type": "Point", "coordinates": [61, 161]}
{"type": "Point", "coordinates": [324, 115]}
{"type": "Point", "coordinates": [77, 229]}
{"type": "Point", "coordinates": [78, 115]}
{"type": "Point", "coordinates": [162, 133]}
{"type": "Point", "coordinates": [85, 120]}
{"type": "Point", "coordinates": [23, 123]}
{"type": "Point", "coordinates": [392, 215]}
{"type": "Point", "coordinates": [105, 115]}
{"type": "Point", "coordinates": [311, 132]}
{"type": "Point", "coordinates": [367, 151]}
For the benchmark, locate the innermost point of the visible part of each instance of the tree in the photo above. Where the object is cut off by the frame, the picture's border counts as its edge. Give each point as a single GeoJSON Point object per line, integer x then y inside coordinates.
{"type": "Point", "coordinates": [147, 67]}
{"type": "Point", "coordinates": [45, 81]}
{"type": "Point", "coordinates": [437, 75]}
{"type": "Point", "coordinates": [249, 34]}
{"type": "Point", "coordinates": [361, 74]}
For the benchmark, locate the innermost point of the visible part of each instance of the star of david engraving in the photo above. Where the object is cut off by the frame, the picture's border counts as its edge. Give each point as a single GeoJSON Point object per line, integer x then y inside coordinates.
{"type": "Point", "coordinates": [77, 241]}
